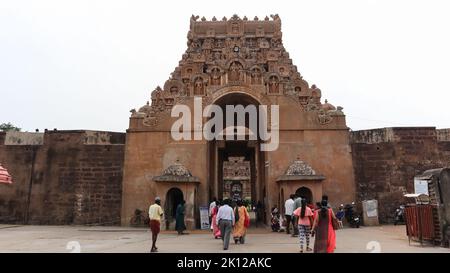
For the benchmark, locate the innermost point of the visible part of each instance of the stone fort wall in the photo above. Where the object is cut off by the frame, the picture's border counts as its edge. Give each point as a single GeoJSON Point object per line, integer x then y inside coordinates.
{"type": "Point", "coordinates": [62, 177]}
{"type": "Point", "coordinates": [386, 160]}
{"type": "Point", "coordinates": [76, 177]}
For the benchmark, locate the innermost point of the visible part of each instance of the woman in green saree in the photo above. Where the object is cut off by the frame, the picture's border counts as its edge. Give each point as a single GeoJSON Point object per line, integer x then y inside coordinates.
{"type": "Point", "coordinates": [179, 217]}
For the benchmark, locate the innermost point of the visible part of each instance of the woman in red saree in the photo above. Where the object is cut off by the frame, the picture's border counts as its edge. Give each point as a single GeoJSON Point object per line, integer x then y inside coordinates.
{"type": "Point", "coordinates": [216, 229]}
{"type": "Point", "coordinates": [323, 230]}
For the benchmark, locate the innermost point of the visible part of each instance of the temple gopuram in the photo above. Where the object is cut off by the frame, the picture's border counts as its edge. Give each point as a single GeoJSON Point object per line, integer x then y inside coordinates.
{"type": "Point", "coordinates": [237, 61]}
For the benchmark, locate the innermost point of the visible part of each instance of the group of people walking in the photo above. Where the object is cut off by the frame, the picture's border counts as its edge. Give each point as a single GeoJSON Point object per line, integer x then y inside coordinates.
{"type": "Point", "coordinates": [232, 220]}
{"type": "Point", "coordinates": [227, 221]}
{"type": "Point", "coordinates": [308, 221]}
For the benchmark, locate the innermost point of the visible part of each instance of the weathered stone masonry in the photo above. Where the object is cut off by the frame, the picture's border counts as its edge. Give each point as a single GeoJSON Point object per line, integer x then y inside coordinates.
{"type": "Point", "coordinates": [75, 177]}
{"type": "Point", "coordinates": [386, 161]}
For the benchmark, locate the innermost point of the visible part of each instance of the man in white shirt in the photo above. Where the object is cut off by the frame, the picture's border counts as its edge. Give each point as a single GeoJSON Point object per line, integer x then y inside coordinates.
{"type": "Point", "coordinates": [225, 219]}
{"type": "Point", "coordinates": [155, 214]}
{"type": "Point", "coordinates": [288, 212]}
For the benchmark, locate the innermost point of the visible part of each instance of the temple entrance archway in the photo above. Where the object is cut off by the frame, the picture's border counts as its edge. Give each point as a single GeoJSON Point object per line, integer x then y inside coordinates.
{"type": "Point", "coordinates": [237, 166]}
{"type": "Point", "coordinates": [306, 193]}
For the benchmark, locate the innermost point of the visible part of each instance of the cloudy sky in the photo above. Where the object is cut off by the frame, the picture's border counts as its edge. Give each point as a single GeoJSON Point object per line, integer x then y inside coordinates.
{"type": "Point", "coordinates": [85, 64]}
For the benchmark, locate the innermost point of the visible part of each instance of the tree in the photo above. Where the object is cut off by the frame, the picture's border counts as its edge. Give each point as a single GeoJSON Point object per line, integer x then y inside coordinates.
{"type": "Point", "coordinates": [5, 127]}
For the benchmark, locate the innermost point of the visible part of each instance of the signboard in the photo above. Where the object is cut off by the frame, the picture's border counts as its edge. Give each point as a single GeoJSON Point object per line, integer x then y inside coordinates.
{"type": "Point", "coordinates": [420, 186]}
{"type": "Point", "coordinates": [204, 217]}
{"type": "Point", "coordinates": [372, 208]}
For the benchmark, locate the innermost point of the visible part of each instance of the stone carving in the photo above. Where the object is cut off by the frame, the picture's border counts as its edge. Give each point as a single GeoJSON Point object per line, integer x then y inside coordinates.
{"type": "Point", "coordinates": [312, 105]}
{"type": "Point", "coordinates": [194, 46]}
{"type": "Point", "coordinates": [194, 18]}
{"type": "Point", "coordinates": [339, 111]}
{"type": "Point", "coordinates": [273, 85]}
{"type": "Point", "coordinates": [236, 168]}
{"type": "Point", "coordinates": [256, 76]}
{"type": "Point", "coordinates": [150, 119]}
{"type": "Point", "coordinates": [328, 106]}
{"type": "Point", "coordinates": [283, 71]}
{"type": "Point", "coordinates": [215, 76]}
{"type": "Point", "coordinates": [303, 102]}
{"type": "Point", "coordinates": [250, 43]}
{"type": "Point", "coordinates": [263, 43]}
{"type": "Point", "coordinates": [174, 90]}
{"type": "Point", "coordinates": [276, 43]}
{"type": "Point", "coordinates": [324, 117]}
{"type": "Point", "coordinates": [199, 87]}
{"type": "Point", "coordinates": [146, 108]}
{"type": "Point", "coordinates": [236, 191]}
{"type": "Point", "coordinates": [299, 167]}
{"type": "Point", "coordinates": [235, 28]}
{"type": "Point", "coordinates": [235, 72]}
{"type": "Point", "coordinates": [275, 17]}
{"type": "Point", "coordinates": [177, 169]}
{"type": "Point", "coordinates": [232, 52]}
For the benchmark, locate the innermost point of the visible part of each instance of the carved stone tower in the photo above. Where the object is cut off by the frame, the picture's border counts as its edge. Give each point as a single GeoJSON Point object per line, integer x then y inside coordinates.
{"type": "Point", "coordinates": [229, 62]}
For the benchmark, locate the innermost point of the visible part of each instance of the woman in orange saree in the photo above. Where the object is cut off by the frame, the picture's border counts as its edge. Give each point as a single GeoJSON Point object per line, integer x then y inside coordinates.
{"type": "Point", "coordinates": [323, 230]}
{"type": "Point", "coordinates": [240, 229]}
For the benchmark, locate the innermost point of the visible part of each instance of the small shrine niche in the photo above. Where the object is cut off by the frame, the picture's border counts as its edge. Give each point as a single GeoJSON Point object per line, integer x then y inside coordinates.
{"type": "Point", "coordinates": [235, 72]}
{"type": "Point", "coordinates": [273, 85]}
{"type": "Point", "coordinates": [199, 87]}
{"type": "Point", "coordinates": [255, 76]}
{"type": "Point", "coordinates": [216, 76]}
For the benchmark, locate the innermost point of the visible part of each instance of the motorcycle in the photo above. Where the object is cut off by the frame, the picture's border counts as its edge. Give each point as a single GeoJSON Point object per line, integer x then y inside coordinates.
{"type": "Point", "coordinates": [350, 215]}
{"type": "Point", "coordinates": [399, 215]}
{"type": "Point", "coordinates": [139, 219]}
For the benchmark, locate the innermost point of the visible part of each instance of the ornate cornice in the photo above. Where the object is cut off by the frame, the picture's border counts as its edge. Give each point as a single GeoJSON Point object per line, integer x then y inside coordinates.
{"type": "Point", "coordinates": [300, 170]}
{"type": "Point", "coordinates": [176, 173]}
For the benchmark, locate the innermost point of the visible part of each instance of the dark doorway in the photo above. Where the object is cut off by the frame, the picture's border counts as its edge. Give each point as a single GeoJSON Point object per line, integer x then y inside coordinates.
{"type": "Point", "coordinates": [248, 148]}
{"type": "Point", "coordinates": [305, 192]}
{"type": "Point", "coordinates": [174, 197]}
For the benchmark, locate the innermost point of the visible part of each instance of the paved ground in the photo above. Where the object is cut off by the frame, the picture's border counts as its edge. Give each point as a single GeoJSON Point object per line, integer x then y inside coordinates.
{"type": "Point", "coordinates": [122, 239]}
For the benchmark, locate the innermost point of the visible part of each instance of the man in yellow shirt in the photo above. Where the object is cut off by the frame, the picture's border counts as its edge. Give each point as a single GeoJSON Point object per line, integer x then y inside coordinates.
{"type": "Point", "coordinates": [155, 213]}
